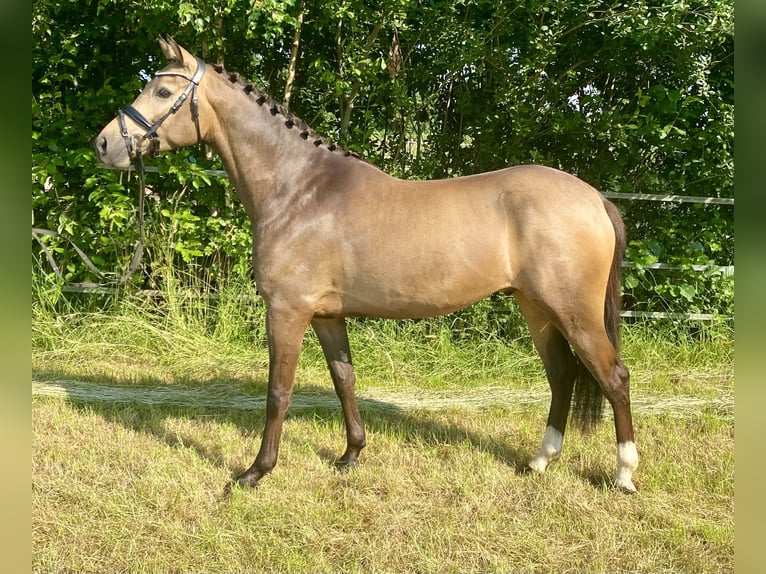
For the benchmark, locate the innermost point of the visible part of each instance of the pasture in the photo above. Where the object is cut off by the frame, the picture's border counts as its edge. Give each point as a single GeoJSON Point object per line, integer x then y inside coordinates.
{"type": "Point", "coordinates": [143, 414]}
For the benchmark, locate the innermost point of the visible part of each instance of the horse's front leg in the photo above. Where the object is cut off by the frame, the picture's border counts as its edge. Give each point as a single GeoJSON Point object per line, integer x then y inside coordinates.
{"type": "Point", "coordinates": [285, 331]}
{"type": "Point", "coordinates": [334, 340]}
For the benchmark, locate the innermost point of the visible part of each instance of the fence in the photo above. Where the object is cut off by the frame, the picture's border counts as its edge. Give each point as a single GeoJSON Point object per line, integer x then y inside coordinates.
{"type": "Point", "coordinates": [666, 266]}
{"type": "Point", "coordinates": [625, 264]}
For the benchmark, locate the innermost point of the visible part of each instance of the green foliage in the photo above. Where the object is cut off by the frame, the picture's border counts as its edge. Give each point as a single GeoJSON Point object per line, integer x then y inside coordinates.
{"type": "Point", "coordinates": [630, 96]}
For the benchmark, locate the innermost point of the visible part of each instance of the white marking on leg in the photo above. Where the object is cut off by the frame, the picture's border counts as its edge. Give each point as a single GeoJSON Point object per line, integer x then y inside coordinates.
{"type": "Point", "coordinates": [550, 450]}
{"type": "Point", "coordinates": [627, 463]}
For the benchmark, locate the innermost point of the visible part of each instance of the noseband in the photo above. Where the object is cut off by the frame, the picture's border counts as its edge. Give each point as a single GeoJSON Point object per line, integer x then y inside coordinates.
{"type": "Point", "coordinates": [151, 128]}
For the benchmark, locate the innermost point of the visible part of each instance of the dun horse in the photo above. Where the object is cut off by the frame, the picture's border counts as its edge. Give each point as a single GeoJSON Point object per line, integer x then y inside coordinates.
{"type": "Point", "coordinates": [335, 237]}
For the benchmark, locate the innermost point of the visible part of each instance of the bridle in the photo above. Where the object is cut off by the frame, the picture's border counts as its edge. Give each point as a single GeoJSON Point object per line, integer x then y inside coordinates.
{"type": "Point", "coordinates": [134, 151]}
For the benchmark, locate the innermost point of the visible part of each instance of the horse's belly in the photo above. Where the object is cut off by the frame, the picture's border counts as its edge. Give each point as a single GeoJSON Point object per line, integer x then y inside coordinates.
{"type": "Point", "coordinates": [417, 287]}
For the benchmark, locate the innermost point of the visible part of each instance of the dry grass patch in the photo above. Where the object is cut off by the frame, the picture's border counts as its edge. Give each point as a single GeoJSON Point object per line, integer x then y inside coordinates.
{"type": "Point", "coordinates": [135, 487]}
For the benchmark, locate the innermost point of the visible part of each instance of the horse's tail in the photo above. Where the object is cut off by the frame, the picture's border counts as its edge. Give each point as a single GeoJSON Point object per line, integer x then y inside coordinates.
{"type": "Point", "coordinates": [613, 302]}
{"type": "Point", "coordinates": [588, 396]}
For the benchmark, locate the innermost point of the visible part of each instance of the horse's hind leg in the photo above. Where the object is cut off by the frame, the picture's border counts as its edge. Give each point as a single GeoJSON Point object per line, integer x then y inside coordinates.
{"type": "Point", "coordinates": [593, 347]}
{"type": "Point", "coordinates": [334, 340]}
{"type": "Point", "coordinates": [561, 370]}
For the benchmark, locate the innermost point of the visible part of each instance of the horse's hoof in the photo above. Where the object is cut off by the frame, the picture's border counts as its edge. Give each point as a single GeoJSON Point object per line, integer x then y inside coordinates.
{"type": "Point", "coordinates": [625, 486]}
{"type": "Point", "coordinates": [342, 465]}
{"type": "Point", "coordinates": [246, 483]}
{"type": "Point", "coordinates": [248, 480]}
{"type": "Point", "coordinates": [538, 465]}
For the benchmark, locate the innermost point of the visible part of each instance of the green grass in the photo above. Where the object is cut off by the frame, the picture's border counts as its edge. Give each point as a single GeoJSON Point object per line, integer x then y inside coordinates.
{"type": "Point", "coordinates": [141, 487]}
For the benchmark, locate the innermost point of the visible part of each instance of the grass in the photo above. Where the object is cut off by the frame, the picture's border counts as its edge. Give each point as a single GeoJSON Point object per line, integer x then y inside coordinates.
{"type": "Point", "coordinates": [132, 486]}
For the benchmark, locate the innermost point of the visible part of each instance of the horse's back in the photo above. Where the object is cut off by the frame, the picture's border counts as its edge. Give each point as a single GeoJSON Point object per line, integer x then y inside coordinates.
{"type": "Point", "coordinates": [536, 211]}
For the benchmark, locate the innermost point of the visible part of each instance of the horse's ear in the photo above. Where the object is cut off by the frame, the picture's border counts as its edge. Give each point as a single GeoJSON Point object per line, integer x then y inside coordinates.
{"type": "Point", "coordinates": [172, 50]}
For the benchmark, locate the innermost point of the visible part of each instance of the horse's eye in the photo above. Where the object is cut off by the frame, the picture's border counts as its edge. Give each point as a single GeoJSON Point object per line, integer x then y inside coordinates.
{"type": "Point", "coordinates": [163, 93]}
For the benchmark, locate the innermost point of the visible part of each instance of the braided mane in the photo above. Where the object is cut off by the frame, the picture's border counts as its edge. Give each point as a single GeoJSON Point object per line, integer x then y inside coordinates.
{"type": "Point", "coordinates": [275, 108]}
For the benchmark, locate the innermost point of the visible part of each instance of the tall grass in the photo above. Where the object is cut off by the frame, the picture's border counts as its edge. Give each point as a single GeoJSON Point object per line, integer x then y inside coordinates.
{"type": "Point", "coordinates": [187, 329]}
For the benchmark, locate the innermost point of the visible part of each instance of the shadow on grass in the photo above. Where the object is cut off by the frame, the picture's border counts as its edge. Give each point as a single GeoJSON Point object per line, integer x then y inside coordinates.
{"type": "Point", "coordinates": [142, 408]}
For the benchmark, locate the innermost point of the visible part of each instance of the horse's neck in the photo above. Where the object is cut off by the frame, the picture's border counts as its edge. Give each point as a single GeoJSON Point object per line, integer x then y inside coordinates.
{"type": "Point", "coordinates": [239, 134]}
{"type": "Point", "coordinates": [266, 160]}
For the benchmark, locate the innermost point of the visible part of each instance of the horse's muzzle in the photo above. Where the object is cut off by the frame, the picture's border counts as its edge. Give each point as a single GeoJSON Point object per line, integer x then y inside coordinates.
{"type": "Point", "coordinates": [109, 153]}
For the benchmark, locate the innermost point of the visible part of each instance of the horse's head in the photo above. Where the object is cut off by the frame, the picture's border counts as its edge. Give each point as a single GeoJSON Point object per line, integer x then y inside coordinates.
{"type": "Point", "coordinates": [151, 122]}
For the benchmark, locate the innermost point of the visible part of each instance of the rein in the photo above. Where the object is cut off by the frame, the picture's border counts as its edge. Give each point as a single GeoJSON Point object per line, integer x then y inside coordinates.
{"type": "Point", "coordinates": [134, 151]}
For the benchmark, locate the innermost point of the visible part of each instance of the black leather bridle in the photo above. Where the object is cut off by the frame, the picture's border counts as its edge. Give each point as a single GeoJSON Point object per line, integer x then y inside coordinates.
{"type": "Point", "coordinates": [151, 128]}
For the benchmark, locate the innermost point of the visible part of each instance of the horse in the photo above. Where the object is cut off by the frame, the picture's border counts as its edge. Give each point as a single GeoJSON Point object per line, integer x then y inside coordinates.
{"type": "Point", "coordinates": [335, 237]}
